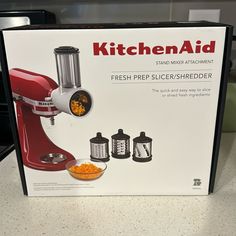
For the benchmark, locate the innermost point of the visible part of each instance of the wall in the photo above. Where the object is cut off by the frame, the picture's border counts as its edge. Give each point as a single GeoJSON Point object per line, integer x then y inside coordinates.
{"type": "Point", "coordinates": [72, 11]}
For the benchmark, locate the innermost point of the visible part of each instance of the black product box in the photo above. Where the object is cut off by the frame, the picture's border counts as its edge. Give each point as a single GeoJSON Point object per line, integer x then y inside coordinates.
{"type": "Point", "coordinates": [117, 109]}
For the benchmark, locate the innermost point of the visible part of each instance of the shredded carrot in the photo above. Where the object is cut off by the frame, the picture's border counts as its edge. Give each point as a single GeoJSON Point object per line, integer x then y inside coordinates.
{"type": "Point", "coordinates": [86, 171]}
{"type": "Point", "coordinates": [77, 108]}
{"type": "Point", "coordinates": [85, 168]}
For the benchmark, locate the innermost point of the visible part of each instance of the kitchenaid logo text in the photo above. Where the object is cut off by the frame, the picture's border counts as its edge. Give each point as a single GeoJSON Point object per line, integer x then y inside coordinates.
{"type": "Point", "coordinates": [112, 49]}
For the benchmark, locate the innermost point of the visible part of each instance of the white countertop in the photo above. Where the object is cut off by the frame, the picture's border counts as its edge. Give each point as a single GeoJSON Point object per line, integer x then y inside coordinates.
{"type": "Point", "coordinates": [134, 215]}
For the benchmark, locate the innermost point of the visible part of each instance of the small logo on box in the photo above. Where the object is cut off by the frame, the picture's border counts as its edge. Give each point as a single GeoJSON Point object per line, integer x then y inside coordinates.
{"type": "Point", "coordinates": [197, 182]}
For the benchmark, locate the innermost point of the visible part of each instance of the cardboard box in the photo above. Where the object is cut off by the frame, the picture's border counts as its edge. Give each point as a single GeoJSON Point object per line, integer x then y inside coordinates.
{"type": "Point", "coordinates": [139, 106]}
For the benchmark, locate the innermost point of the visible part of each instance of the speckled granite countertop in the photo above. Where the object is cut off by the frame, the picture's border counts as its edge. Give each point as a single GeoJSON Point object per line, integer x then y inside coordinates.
{"type": "Point", "coordinates": [154, 215]}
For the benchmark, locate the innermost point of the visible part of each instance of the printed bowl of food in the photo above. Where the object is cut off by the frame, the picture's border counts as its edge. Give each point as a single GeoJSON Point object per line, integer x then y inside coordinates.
{"type": "Point", "coordinates": [85, 169]}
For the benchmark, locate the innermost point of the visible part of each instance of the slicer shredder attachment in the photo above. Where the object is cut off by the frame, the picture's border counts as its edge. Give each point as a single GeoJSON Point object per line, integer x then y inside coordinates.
{"type": "Point", "coordinates": [99, 148]}
{"type": "Point", "coordinates": [120, 145]}
{"type": "Point", "coordinates": [70, 97]}
{"type": "Point", "coordinates": [142, 148]}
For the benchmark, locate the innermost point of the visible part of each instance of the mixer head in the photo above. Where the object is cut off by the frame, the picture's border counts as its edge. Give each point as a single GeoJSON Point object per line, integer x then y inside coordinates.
{"type": "Point", "coordinates": [37, 98]}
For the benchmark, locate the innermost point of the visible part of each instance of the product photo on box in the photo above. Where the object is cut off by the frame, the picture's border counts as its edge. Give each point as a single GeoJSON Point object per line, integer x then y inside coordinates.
{"type": "Point", "coordinates": [117, 109]}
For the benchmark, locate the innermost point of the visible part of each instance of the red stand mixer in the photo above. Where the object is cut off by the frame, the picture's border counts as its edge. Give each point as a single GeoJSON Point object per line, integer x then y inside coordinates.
{"type": "Point", "coordinates": [38, 96]}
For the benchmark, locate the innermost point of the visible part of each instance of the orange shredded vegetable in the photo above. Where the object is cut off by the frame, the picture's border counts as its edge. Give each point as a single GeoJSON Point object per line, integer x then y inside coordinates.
{"type": "Point", "coordinates": [84, 168]}
{"type": "Point", "coordinates": [77, 108]}
{"type": "Point", "coordinates": [86, 171]}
